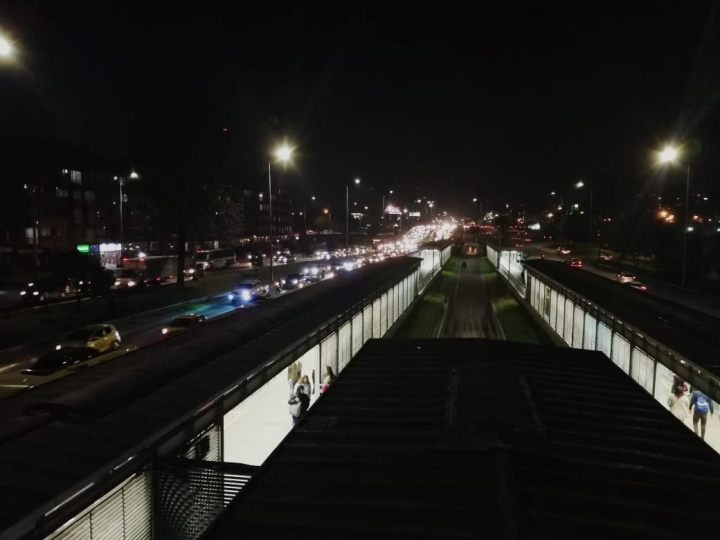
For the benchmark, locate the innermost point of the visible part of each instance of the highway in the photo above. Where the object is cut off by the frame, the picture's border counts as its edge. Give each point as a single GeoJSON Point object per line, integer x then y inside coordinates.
{"type": "Point", "coordinates": [144, 327]}
{"type": "Point", "coordinates": [707, 304]}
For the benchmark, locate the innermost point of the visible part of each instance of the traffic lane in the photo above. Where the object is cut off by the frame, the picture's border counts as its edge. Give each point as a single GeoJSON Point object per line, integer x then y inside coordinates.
{"type": "Point", "coordinates": [139, 331]}
{"type": "Point", "coordinates": [656, 288]}
{"type": "Point", "coordinates": [471, 308]}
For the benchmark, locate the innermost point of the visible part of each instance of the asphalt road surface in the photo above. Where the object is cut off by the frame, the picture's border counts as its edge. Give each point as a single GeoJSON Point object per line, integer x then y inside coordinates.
{"type": "Point", "coordinates": [471, 314]}
{"type": "Point", "coordinates": [137, 331]}
{"type": "Point", "coordinates": [691, 299]}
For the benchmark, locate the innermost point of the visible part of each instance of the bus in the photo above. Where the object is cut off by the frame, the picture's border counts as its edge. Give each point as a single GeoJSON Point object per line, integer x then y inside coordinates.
{"type": "Point", "coordinates": [215, 258]}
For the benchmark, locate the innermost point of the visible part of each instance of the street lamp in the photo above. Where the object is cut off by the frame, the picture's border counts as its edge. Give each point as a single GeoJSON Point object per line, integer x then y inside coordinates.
{"type": "Point", "coordinates": [121, 182]}
{"type": "Point", "coordinates": [282, 154]}
{"type": "Point", "coordinates": [578, 185]}
{"type": "Point", "coordinates": [347, 213]}
{"type": "Point", "coordinates": [329, 215]}
{"type": "Point", "coordinates": [305, 215]}
{"type": "Point", "coordinates": [669, 155]}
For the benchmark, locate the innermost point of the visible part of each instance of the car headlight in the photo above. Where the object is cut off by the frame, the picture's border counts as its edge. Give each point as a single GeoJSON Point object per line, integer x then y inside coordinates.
{"type": "Point", "coordinates": [191, 271]}
{"type": "Point", "coordinates": [23, 293]}
{"type": "Point", "coordinates": [131, 283]}
{"type": "Point", "coordinates": [164, 331]}
{"type": "Point", "coordinates": [305, 271]}
{"type": "Point", "coordinates": [245, 294]}
{"type": "Point", "coordinates": [294, 281]}
{"type": "Point", "coordinates": [117, 283]}
{"type": "Point", "coordinates": [231, 296]}
{"type": "Point", "coordinates": [58, 347]}
{"type": "Point", "coordinates": [35, 293]}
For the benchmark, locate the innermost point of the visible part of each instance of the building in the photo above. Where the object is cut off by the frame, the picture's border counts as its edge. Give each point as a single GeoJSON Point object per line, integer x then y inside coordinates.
{"type": "Point", "coordinates": [282, 214]}
{"type": "Point", "coordinates": [55, 198]}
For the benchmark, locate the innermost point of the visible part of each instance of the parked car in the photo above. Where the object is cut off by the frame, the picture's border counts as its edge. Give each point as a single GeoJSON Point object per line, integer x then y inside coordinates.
{"type": "Point", "coordinates": [103, 337]}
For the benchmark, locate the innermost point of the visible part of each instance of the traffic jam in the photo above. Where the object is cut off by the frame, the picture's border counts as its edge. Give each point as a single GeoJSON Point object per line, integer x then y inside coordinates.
{"type": "Point", "coordinates": [95, 344]}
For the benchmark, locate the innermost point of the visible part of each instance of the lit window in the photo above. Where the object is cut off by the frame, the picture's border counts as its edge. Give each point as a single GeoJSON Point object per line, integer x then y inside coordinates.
{"type": "Point", "coordinates": [61, 193]}
{"type": "Point", "coordinates": [75, 177]}
{"type": "Point", "coordinates": [65, 172]}
{"type": "Point", "coordinates": [30, 235]}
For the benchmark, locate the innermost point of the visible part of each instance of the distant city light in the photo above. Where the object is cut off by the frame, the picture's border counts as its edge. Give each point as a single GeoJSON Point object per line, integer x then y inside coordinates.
{"type": "Point", "coordinates": [691, 229]}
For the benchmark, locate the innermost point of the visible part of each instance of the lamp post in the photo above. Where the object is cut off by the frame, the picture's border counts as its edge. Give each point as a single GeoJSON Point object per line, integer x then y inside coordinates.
{"type": "Point", "coordinates": [121, 182]}
{"type": "Point", "coordinates": [282, 154]}
{"type": "Point", "coordinates": [305, 215]}
{"type": "Point", "coordinates": [581, 184]}
{"type": "Point", "coordinates": [670, 155]}
{"type": "Point", "coordinates": [347, 214]}
{"type": "Point", "coordinates": [329, 215]}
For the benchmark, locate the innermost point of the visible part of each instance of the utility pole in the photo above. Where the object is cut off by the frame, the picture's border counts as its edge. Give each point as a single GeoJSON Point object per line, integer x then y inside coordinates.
{"type": "Point", "coordinates": [272, 246]}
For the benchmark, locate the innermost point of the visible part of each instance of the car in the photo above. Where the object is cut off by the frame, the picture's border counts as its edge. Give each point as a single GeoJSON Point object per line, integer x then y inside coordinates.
{"type": "Point", "coordinates": [61, 359]}
{"type": "Point", "coordinates": [636, 285]}
{"type": "Point", "coordinates": [183, 323]}
{"type": "Point", "coordinates": [314, 273]}
{"type": "Point", "coordinates": [606, 257]}
{"type": "Point", "coordinates": [249, 290]}
{"type": "Point", "coordinates": [574, 262]}
{"type": "Point", "coordinates": [626, 277]}
{"type": "Point", "coordinates": [103, 337]}
{"type": "Point", "coordinates": [55, 365]}
{"type": "Point", "coordinates": [293, 281]}
{"type": "Point", "coordinates": [53, 288]}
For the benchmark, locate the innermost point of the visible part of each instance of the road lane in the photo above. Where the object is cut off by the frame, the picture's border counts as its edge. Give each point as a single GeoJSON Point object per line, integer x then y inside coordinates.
{"type": "Point", "coordinates": [704, 303]}
{"type": "Point", "coordinates": [471, 314]}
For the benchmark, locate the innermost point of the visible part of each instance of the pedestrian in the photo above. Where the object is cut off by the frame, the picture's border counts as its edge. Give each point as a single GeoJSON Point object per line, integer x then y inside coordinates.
{"type": "Point", "coordinates": [703, 405]}
{"type": "Point", "coordinates": [463, 266]}
{"type": "Point", "coordinates": [299, 405]}
{"type": "Point", "coordinates": [304, 382]}
{"type": "Point", "coordinates": [678, 403]}
{"type": "Point", "coordinates": [328, 378]}
{"type": "Point", "coordinates": [294, 372]}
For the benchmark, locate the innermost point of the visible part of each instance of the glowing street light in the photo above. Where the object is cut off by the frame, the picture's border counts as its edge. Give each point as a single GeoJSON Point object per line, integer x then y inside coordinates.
{"type": "Point", "coordinates": [283, 153]}
{"type": "Point", "coordinates": [668, 154]}
{"type": "Point", "coordinates": [134, 175]}
{"type": "Point", "coordinates": [579, 184]}
{"type": "Point", "coordinates": [6, 48]}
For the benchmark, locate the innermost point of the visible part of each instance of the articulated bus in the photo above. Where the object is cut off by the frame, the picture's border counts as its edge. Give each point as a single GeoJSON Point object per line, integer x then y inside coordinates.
{"type": "Point", "coordinates": [215, 258]}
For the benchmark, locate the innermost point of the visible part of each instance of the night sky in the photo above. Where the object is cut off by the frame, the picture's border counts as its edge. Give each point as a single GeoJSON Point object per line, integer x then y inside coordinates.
{"type": "Point", "coordinates": [450, 104]}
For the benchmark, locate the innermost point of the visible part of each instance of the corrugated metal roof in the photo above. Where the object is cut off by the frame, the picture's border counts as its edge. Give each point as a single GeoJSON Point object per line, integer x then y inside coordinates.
{"type": "Point", "coordinates": [688, 332]}
{"type": "Point", "coordinates": [54, 437]}
{"type": "Point", "coordinates": [470, 438]}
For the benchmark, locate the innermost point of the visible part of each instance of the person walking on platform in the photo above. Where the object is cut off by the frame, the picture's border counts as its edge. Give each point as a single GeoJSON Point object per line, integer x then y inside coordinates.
{"type": "Point", "coordinates": [679, 404]}
{"type": "Point", "coordinates": [299, 405]}
{"type": "Point", "coordinates": [703, 405]}
{"type": "Point", "coordinates": [294, 372]}
{"type": "Point", "coordinates": [304, 382]}
{"type": "Point", "coordinates": [328, 379]}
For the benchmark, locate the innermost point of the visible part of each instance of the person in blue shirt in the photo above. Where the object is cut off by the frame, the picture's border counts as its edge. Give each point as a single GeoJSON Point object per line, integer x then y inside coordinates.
{"type": "Point", "coordinates": [703, 405]}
